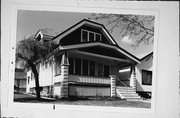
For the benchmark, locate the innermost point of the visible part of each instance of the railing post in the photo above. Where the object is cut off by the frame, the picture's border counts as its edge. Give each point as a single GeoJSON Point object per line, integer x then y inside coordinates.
{"type": "Point", "coordinates": [113, 85]}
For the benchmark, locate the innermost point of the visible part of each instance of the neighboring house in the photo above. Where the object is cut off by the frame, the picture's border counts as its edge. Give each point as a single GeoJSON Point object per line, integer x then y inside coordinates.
{"type": "Point", "coordinates": [87, 63]}
{"type": "Point", "coordinates": [144, 75]}
{"type": "Point", "coordinates": [20, 80]}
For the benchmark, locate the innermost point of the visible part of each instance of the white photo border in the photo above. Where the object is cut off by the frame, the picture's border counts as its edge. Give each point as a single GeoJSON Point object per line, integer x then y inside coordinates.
{"type": "Point", "coordinates": [76, 7]}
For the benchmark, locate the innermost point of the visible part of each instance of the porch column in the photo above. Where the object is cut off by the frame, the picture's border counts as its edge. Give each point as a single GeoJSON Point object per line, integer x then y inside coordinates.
{"type": "Point", "coordinates": [64, 73]}
{"type": "Point", "coordinates": [133, 78]}
{"type": "Point", "coordinates": [113, 85]}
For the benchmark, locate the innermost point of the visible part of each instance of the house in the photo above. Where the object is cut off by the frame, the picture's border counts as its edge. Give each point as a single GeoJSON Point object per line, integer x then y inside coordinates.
{"type": "Point", "coordinates": [86, 63]}
{"type": "Point", "coordinates": [144, 75]}
{"type": "Point", "coordinates": [20, 80]}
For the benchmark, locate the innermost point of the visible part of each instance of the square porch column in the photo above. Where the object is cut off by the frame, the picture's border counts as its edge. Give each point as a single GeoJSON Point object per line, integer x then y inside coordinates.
{"type": "Point", "coordinates": [65, 75]}
{"type": "Point", "coordinates": [113, 85]}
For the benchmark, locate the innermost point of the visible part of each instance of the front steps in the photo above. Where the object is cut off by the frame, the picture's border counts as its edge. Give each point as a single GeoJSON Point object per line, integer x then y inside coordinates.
{"type": "Point", "coordinates": [127, 93]}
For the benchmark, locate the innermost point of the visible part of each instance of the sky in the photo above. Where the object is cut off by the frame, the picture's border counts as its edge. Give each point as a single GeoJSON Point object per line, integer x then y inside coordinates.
{"type": "Point", "coordinates": [29, 22]}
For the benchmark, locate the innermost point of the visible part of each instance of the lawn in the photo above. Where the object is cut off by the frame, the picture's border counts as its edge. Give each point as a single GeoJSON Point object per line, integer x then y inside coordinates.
{"type": "Point", "coordinates": [83, 101]}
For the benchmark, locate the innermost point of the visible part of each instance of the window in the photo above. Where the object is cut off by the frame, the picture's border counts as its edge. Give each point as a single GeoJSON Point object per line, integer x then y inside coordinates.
{"type": "Point", "coordinates": [78, 66]}
{"type": "Point", "coordinates": [84, 36]}
{"type": "Point", "coordinates": [85, 67]}
{"type": "Point", "coordinates": [100, 70]}
{"type": "Point", "coordinates": [58, 64]}
{"type": "Point", "coordinates": [71, 66]}
{"type": "Point", "coordinates": [92, 68]}
{"type": "Point", "coordinates": [106, 71]}
{"type": "Point", "coordinates": [57, 69]}
{"type": "Point", "coordinates": [146, 77]}
{"type": "Point", "coordinates": [98, 37]}
{"type": "Point", "coordinates": [89, 36]}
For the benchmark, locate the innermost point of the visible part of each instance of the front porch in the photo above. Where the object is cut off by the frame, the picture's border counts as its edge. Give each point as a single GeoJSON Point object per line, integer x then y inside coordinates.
{"type": "Point", "coordinates": [86, 70]}
{"type": "Point", "coordinates": [89, 86]}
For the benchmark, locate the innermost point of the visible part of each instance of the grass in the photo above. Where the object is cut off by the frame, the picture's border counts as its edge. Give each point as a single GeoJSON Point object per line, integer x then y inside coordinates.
{"type": "Point", "coordinates": [18, 97]}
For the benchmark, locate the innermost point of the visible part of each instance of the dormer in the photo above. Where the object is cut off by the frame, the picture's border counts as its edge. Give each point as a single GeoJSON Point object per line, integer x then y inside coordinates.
{"type": "Point", "coordinates": [44, 35]}
{"type": "Point", "coordinates": [85, 31]}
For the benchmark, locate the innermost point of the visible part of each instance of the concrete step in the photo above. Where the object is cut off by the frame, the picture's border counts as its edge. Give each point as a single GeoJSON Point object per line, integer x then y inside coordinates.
{"type": "Point", "coordinates": [129, 97]}
{"type": "Point", "coordinates": [127, 93]}
{"type": "Point", "coordinates": [120, 87]}
{"type": "Point", "coordinates": [119, 90]}
{"type": "Point", "coordinates": [128, 88]}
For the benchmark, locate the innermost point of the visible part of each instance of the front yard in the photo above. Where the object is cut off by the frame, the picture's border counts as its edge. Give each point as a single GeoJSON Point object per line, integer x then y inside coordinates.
{"type": "Point", "coordinates": [28, 98]}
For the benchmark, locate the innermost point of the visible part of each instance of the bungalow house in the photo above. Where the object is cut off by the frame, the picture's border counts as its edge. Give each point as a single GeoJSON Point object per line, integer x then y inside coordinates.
{"type": "Point", "coordinates": [86, 63]}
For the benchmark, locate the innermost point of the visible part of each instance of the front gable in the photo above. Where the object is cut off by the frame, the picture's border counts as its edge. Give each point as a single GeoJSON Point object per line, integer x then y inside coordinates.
{"type": "Point", "coordinates": [92, 38]}
{"type": "Point", "coordinates": [84, 32]}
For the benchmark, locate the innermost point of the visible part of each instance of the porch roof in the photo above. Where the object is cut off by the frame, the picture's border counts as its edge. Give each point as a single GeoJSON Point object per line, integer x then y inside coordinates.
{"type": "Point", "coordinates": [99, 48]}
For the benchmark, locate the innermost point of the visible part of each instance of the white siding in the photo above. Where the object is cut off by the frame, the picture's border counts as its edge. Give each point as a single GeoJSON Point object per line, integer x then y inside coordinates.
{"type": "Point", "coordinates": [46, 74]}
{"type": "Point", "coordinates": [146, 64]}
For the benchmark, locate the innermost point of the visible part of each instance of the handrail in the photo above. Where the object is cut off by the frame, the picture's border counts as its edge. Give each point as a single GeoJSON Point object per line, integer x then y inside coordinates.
{"type": "Point", "coordinates": [124, 85]}
{"type": "Point", "coordinates": [122, 82]}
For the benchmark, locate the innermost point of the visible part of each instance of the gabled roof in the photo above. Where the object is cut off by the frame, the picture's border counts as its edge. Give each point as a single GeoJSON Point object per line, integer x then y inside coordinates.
{"type": "Point", "coordinates": [46, 34]}
{"type": "Point", "coordinates": [103, 29]}
{"type": "Point", "coordinates": [88, 23]}
{"type": "Point", "coordinates": [148, 55]}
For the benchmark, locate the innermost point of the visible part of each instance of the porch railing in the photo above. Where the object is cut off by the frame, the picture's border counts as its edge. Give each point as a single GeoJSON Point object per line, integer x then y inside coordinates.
{"type": "Point", "coordinates": [89, 79]}
{"type": "Point", "coordinates": [123, 85]}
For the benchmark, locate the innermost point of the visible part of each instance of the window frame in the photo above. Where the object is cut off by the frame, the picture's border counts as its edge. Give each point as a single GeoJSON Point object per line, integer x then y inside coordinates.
{"type": "Point", "coordinates": [57, 64]}
{"type": "Point", "coordinates": [147, 72]}
{"type": "Point", "coordinates": [88, 35]}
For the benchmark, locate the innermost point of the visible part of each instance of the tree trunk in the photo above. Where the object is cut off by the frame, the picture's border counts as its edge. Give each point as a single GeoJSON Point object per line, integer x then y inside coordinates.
{"type": "Point", "coordinates": [36, 76]}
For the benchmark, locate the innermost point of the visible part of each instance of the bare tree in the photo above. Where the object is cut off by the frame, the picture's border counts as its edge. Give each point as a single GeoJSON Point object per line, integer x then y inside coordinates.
{"type": "Point", "coordinates": [139, 28]}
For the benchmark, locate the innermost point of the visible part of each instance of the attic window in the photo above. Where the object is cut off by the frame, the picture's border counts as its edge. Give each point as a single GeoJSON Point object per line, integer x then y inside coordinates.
{"type": "Point", "coordinates": [89, 36]}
